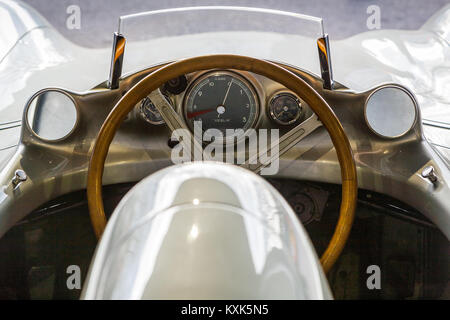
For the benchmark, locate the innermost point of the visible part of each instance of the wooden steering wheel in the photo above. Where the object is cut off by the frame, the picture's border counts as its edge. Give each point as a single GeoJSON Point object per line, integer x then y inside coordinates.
{"type": "Point", "coordinates": [270, 70]}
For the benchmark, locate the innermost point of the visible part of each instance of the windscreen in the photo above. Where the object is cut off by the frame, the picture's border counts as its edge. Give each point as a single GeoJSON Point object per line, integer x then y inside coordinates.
{"type": "Point", "coordinates": [165, 35]}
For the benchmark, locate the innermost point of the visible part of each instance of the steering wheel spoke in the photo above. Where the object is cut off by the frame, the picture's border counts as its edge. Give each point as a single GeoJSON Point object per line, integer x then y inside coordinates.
{"type": "Point", "coordinates": [284, 144]}
{"type": "Point", "coordinates": [174, 122]}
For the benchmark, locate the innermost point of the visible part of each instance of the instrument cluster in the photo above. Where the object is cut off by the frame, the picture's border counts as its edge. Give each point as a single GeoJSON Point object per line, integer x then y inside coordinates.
{"type": "Point", "coordinates": [227, 99]}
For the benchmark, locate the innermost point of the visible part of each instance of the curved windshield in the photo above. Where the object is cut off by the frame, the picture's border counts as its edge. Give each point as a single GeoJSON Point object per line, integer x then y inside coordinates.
{"type": "Point", "coordinates": [164, 35]}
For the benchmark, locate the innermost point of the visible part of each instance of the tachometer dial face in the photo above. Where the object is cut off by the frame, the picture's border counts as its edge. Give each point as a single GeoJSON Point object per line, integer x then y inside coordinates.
{"type": "Point", "coordinates": [221, 100]}
{"type": "Point", "coordinates": [285, 108]}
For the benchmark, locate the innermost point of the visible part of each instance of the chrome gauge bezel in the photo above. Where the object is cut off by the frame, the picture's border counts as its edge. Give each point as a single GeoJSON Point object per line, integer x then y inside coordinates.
{"type": "Point", "coordinates": [144, 116]}
{"type": "Point", "coordinates": [272, 114]}
{"type": "Point", "coordinates": [140, 105]}
{"type": "Point", "coordinates": [244, 79]}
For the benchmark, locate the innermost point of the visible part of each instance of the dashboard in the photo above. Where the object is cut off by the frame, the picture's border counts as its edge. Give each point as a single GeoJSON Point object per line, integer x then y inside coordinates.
{"type": "Point", "coordinates": [61, 127]}
{"type": "Point", "coordinates": [228, 101]}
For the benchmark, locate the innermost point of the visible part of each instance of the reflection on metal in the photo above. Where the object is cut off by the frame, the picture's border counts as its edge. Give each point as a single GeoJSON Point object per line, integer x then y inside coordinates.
{"type": "Point", "coordinates": [428, 173]}
{"type": "Point", "coordinates": [391, 111]}
{"type": "Point", "coordinates": [11, 124]}
{"type": "Point", "coordinates": [286, 142]}
{"type": "Point", "coordinates": [19, 177]}
{"type": "Point", "coordinates": [323, 44]}
{"type": "Point", "coordinates": [437, 124]}
{"type": "Point", "coordinates": [116, 60]}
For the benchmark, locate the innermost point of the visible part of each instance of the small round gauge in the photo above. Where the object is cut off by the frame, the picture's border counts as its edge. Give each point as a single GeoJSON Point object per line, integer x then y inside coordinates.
{"type": "Point", "coordinates": [221, 100]}
{"type": "Point", "coordinates": [285, 108]}
{"type": "Point", "coordinates": [149, 112]}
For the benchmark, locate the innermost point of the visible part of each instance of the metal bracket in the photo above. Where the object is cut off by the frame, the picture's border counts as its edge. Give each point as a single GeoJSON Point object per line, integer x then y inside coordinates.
{"type": "Point", "coordinates": [118, 50]}
{"type": "Point", "coordinates": [323, 44]}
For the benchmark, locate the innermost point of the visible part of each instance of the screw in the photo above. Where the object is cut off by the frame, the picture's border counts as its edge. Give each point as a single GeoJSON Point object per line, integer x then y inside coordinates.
{"type": "Point", "coordinates": [428, 173]}
{"type": "Point", "coordinates": [19, 177]}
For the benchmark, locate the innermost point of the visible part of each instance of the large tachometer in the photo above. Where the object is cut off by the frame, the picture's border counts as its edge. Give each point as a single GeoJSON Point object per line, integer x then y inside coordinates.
{"type": "Point", "coordinates": [221, 100]}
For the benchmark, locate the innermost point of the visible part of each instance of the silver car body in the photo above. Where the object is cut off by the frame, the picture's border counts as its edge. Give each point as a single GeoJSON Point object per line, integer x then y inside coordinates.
{"type": "Point", "coordinates": [35, 56]}
{"type": "Point", "coordinates": [233, 233]}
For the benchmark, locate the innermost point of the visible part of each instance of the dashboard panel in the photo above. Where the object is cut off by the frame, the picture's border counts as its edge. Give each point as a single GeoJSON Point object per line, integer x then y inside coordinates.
{"type": "Point", "coordinates": [229, 99]}
{"type": "Point", "coordinates": [140, 148]}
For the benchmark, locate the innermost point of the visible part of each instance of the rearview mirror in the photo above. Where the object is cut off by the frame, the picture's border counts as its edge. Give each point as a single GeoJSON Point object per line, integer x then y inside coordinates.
{"type": "Point", "coordinates": [52, 115]}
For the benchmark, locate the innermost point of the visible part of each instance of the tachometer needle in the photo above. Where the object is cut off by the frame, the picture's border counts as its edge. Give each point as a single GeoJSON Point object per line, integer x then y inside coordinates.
{"type": "Point", "coordinates": [226, 94]}
{"type": "Point", "coordinates": [198, 113]}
